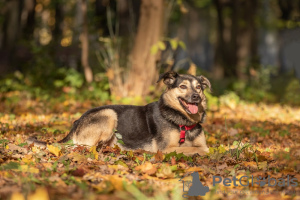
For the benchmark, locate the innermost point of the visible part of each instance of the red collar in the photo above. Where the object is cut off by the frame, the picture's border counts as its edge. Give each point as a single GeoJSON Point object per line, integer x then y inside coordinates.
{"type": "Point", "coordinates": [183, 130]}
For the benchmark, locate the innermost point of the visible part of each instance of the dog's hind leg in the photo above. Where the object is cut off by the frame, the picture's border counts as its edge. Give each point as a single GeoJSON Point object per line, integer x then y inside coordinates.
{"type": "Point", "coordinates": [95, 127]}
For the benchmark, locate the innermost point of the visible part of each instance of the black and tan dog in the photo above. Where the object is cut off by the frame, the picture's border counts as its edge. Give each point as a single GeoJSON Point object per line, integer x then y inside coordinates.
{"type": "Point", "coordinates": [171, 124]}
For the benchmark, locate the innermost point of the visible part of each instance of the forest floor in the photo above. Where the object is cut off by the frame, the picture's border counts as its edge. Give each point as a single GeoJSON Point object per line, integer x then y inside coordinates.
{"type": "Point", "coordinates": [258, 141]}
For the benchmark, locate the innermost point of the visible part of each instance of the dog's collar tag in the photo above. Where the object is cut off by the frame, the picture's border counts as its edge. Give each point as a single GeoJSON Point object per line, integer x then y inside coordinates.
{"type": "Point", "coordinates": [183, 129]}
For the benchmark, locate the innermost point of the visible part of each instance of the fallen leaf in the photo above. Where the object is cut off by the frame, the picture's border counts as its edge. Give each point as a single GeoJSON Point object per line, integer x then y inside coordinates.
{"type": "Point", "coordinates": [27, 159]}
{"type": "Point", "coordinates": [165, 172]}
{"type": "Point", "coordinates": [17, 196]}
{"type": "Point", "coordinates": [47, 165]}
{"type": "Point", "coordinates": [194, 169]}
{"type": "Point", "coordinates": [251, 164]}
{"type": "Point", "coordinates": [173, 160]}
{"type": "Point", "coordinates": [147, 168]}
{"type": "Point", "coordinates": [159, 156]}
{"type": "Point", "coordinates": [263, 156]}
{"type": "Point", "coordinates": [78, 172]}
{"type": "Point", "coordinates": [94, 152]}
{"type": "Point", "coordinates": [26, 168]}
{"type": "Point", "coordinates": [232, 131]}
{"type": "Point", "coordinates": [39, 194]}
{"type": "Point", "coordinates": [263, 165]}
{"type": "Point", "coordinates": [116, 181]}
{"type": "Point", "coordinates": [221, 167]}
{"type": "Point", "coordinates": [55, 150]}
{"type": "Point", "coordinates": [212, 140]}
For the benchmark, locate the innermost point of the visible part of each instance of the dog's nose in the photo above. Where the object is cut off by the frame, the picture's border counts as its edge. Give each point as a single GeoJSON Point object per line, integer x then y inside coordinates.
{"type": "Point", "coordinates": [195, 97]}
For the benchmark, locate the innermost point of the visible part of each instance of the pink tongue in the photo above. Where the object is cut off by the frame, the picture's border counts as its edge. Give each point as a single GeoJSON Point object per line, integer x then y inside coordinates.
{"type": "Point", "coordinates": [193, 108]}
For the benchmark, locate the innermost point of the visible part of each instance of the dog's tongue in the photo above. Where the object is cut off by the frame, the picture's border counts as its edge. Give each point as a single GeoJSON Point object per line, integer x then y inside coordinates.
{"type": "Point", "coordinates": [193, 108]}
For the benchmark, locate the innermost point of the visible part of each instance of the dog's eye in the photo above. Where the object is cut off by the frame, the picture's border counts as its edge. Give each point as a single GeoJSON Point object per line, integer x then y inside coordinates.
{"type": "Point", "coordinates": [198, 86]}
{"type": "Point", "coordinates": [183, 87]}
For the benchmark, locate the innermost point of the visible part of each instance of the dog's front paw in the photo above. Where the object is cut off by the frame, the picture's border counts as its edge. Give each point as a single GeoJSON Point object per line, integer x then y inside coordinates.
{"type": "Point", "coordinates": [206, 150]}
{"type": "Point", "coordinates": [203, 151]}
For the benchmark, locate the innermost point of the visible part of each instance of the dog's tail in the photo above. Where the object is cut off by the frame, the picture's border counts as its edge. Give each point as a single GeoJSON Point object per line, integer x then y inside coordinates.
{"type": "Point", "coordinates": [42, 144]}
{"type": "Point", "coordinates": [36, 142]}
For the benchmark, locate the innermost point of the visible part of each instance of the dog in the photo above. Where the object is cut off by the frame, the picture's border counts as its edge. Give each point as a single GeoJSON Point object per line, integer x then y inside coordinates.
{"type": "Point", "coordinates": [173, 123]}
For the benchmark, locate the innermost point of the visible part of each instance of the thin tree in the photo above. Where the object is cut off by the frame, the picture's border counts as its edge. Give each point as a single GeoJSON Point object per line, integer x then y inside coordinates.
{"type": "Point", "coordinates": [85, 44]}
{"type": "Point", "coordinates": [236, 41]}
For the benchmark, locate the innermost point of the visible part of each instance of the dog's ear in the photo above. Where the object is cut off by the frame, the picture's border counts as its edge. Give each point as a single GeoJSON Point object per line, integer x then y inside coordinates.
{"type": "Point", "coordinates": [168, 77]}
{"type": "Point", "coordinates": [204, 82]}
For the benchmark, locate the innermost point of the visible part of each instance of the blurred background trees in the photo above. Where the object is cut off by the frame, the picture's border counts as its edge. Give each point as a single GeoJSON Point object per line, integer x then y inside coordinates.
{"type": "Point", "coordinates": [116, 49]}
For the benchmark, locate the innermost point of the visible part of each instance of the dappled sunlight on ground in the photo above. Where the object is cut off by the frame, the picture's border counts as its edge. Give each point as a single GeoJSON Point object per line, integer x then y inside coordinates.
{"type": "Point", "coordinates": [244, 140]}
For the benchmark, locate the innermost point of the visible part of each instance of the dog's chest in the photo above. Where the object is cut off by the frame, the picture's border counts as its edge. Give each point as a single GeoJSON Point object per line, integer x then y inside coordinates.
{"type": "Point", "coordinates": [172, 138]}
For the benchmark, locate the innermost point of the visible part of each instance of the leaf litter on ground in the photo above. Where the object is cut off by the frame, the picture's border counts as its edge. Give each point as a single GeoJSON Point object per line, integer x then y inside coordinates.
{"type": "Point", "coordinates": [264, 142]}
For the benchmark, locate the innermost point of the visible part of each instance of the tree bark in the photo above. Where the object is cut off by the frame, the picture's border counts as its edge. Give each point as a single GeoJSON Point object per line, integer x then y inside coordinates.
{"type": "Point", "coordinates": [143, 72]}
{"type": "Point", "coordinates": [218, 67]}
{"type": "Point", "coordinates": [247, 44]}
{"type": "Point", "coordinates": [11, 32]}
{"type": "Point", "coordinates": [11, 24]}
{"type": "Point", "coordinates": [85, 44]}
{"type": "Point", "coordinates": [28, 18]}
{"type": "Point", "coordinates": [236, 44]}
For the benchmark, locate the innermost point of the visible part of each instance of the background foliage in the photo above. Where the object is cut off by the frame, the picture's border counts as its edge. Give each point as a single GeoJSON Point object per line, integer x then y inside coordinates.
{"type": "Point", "coordinates": [41, 54]}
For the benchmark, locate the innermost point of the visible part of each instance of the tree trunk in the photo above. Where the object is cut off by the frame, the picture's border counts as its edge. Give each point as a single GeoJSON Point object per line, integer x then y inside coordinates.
{"type": "Point", "coordinates": [226, 57]}
{"type": "Point", "coordinates": [11, 24]}
{"type": "Point", "coordinates": [85, 44]}
{"type": "Point", "coordinates": [218, 69]}
{"type": "Point", "coordinates": [143, 72]}
{"type": "Point", "coordinates": [59, 17]}
{"type": "Point", "coordinates": [236, 44]}
{"type": "Point", "coordinates": [247, 51]}
{"type": "Point", "coordinates": [11, 31]}
{"type": "Point", "coordinates": [28, 18]}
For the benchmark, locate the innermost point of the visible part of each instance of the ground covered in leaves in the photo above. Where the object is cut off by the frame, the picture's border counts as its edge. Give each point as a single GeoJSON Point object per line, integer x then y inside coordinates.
{"type": "Point", "coordinates": [259, 142]}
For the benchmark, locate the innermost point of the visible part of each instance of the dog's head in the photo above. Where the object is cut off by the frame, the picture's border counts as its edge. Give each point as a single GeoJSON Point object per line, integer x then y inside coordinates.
{"type": "Point", "coordinates": [185, 93]}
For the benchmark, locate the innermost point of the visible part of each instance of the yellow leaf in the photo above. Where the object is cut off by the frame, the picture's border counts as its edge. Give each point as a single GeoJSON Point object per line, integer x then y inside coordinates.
{"type": "Point", "coordinates": [116, 181]}
{"type": "Point", "coordinates": [147, 168]}
{"type": "Point", "coordinates": [221, 149]}
{"type": "Point", "coordinates": [250, 164]}
{"type": "Point", "coordinates": [212, 140]}
{"type": "Point", "coordinates": [94, 152]}
{"type": "Point", "coordinates": [55, 150]}
{"type": "Point", "coordinates": [6, 147]}
{"type": "Point", "coordinates": [263, 165]}
{"type": "Point", "coordinates": [76, 157]}
{"type": "Point", "coordinates": [27, 159]}
{"type": "Point", "coordinates": [104, 187]}
{"type": "Point", "coordinates": [211, 150]}
{"type": "Point", "coordinates": [26, 168]}
{"type": "Point", "coordinates": [17, 196]}
{"type": "Point", "coordinates": [194, 169]}
{"type": "Point", "coordinates": [47, 165]}
{"type": "Point", "coordinates": [40, 194]}
{"type": "Point", "coordinates": [35, 149]}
